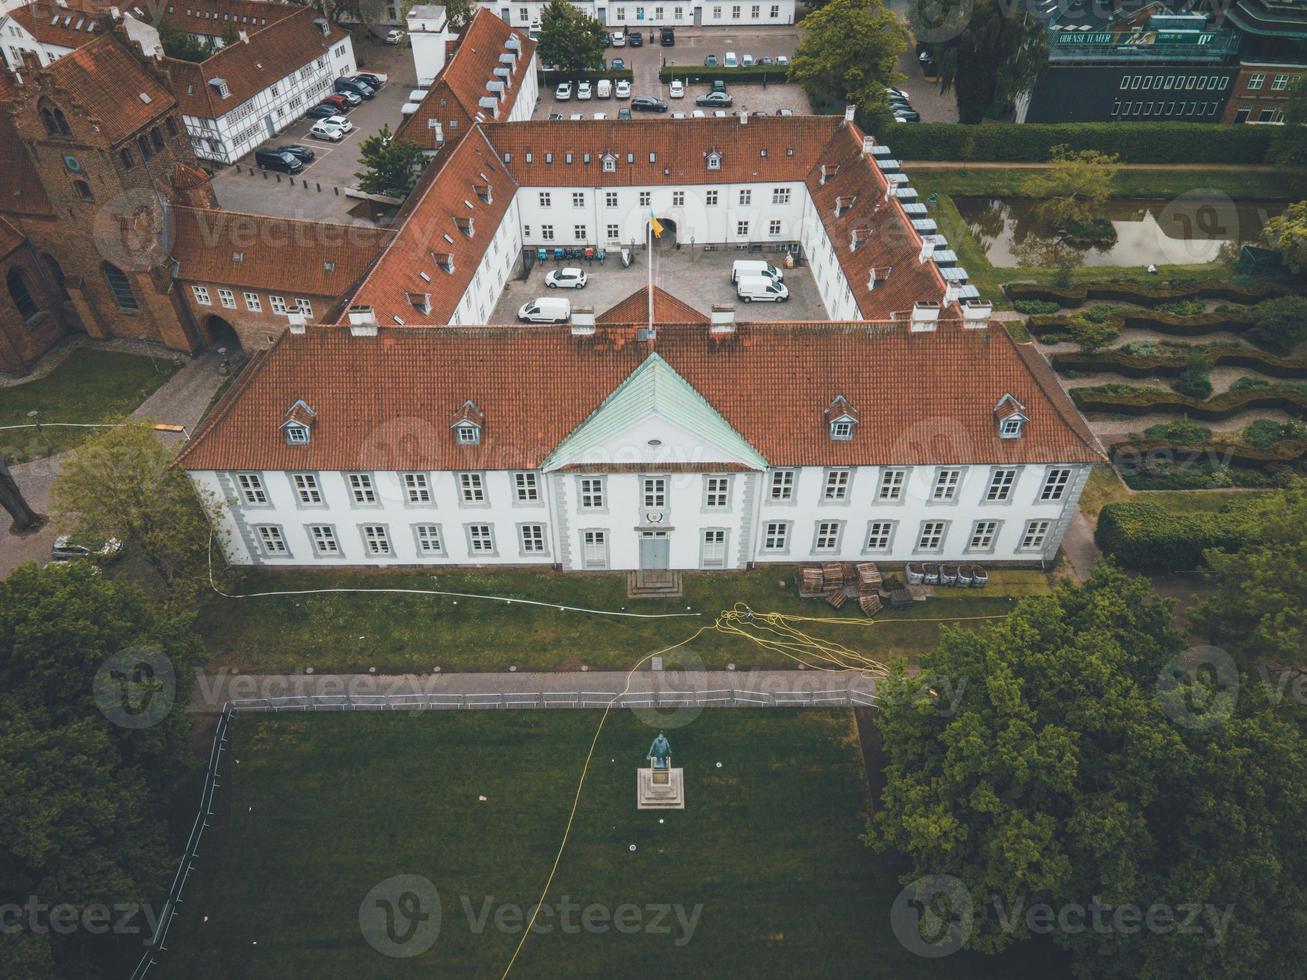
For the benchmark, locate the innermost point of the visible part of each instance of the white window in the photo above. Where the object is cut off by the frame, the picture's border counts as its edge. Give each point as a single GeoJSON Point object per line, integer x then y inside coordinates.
{"type": "Point", "coordinates": [592, 493]}
{"type": "Point", "coordinates": [678, 199]}
{"type": "Point", "coordinates": [777, 536]}
{"type": "Point", "coordinates": [774, 226]}
{"type": "Point", "coordinates": [827, 538]}
{"type": "Point", "coordinates": [742, 228]}
{"type": "Point", "coordinates": [533, 539]}
{"type": "Point", "coordinates": [547, 233]}
{"type": "Point", "coordinates": [324, 539]}
{"type": "Point", "coordinates": [472, 488]}
{"type": "Point", "coordinates": [716, 492]}
{"type": "Point", "coordinates": [780, 195]}
{"type": "Point", "coordinates": [253, 303]}
{"type": "Point", "coordinates": [526, 488]}
{"type": "Point", "coordinates": [361, 488]}
{"type": "Point", "coordinates": [305, 307]}
{"type": "Point", "coordinates": [782, 485]}
{"type": "Point", "coordinates": [544, 199]}
{"type": "Point", "coordinates": [1280, 83]}
{"type": "Point", "coordinates": [714, 547]}
{"type": "Point", "coordinates": [271, 540]}
{"type": "Point", "coordinates": [655, 492]}
{"type": "Point", "coordinates": [467, 435]}
{"type": "Point", "coordinates": [416, 488]}
{"type": "Point", "coordinates": [946, 484]}
{"type": "Point", "coordinates": [1011, 427]}
{"type": "Point", "coordinates": [837, 485]}
{"type": "Point", "coordinates": [1255, 81]}
{"type": "Point", "coordinates": [580, 232]}
{"type": "Point", "coordinates": [613, 232]}
{"type": "Point", "coordinates": [578, 199]}
{"type": "Point", "coordinates": [710, 197]}
{"type": "Point", "coordinates": [879, 535]}
{"type": "Point", "coordinates": [1035, 533]}
{"type": "Point", "coordinates": [227, 298]}
{"type": "Point", "coordinates": [480, 539]}
{"type": "Point", "coordinates": [1055, 484]}
{"type": "Point", "coordinates": [429, 540]}
{"type": "Point", "coordinates": [594, 549]}
{"type": "Point", "coordinates": [1000, 485]}
{"type": "Point", "coordinates": [645, 197]}
{"type": "Point", "coordinates": [982, 535]}
{"type": "Point", "coordinates": [201, 295]}
{"type": "Point", "coordinates": [891, 484]}
{"type": "Point", "coordinates": [610, 199]}
{"type": "Point", "coordinates": [376, 539]}
{"type": "Point", "coordinates": [306, 488]}
{"type": "Point", "coordinates": [251, 487]}
{"type": "Point", "coordinates": [278, 303]}
{"type": "Point", "coordinates": [746, 197]}
{"type": "Point", "coordinates": [841, 430]}
{"type": "Point", "coordinates": [932, 536]}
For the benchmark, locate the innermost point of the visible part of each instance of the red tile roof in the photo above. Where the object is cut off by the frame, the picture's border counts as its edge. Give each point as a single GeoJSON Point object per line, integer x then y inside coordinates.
{"type": "Point", "coordinates": [299, 257]}
{"type": "Point", "coordinates": [249, 67]}
{"type": "Point", "coordinates": [385, 401]}
{"type": "Point", "coordinates": [430, 233]}
{"type": "Point", "coordinates": [453, 98]}
{"type": "Point", "coordinates": [10, 238]}
{"type": "Point", "coordinates": [776, 148]}
{"type": "Point", "coordinates": [212, 17]}
{"type": "Point", "coordinates": [666, 309]}
{"type": "Point", "coordinates": [65, 27]}
{"type": "Point", "coordinates": [107, 83]}
{"type": "Point", "coordinates": [21, 191]}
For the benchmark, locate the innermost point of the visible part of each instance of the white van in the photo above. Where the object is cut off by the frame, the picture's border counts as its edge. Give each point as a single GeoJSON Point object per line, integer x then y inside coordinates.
{"type": "Point", "coordinates": [604, 88]}
{"type": "Point", "coordinates": [764, 289]}
{"type": "Point", "coordinates": [546, 309]}
{"type": "Point", "coordinates": [755, 267]}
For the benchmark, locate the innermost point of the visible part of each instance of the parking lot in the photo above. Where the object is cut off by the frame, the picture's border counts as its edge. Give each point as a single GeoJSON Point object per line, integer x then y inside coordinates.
{"type": "Point", "coordinates": [318, 191]}
{"type": "Point", "coordinates": [692, 46]}
{"type": "Point", "coordinates": [692, 275]}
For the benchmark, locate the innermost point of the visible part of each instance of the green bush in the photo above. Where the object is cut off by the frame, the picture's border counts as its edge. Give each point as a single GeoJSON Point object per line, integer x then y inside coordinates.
{"type": "Point", "coordinates": [1127, 400]}
{"type": "Point", "coordinates": [1195, 380]}
{"type": "Point", "coordinates": [549, 79]}
{"type": "Point", "coordinates": [1134, 142]}
{"type": "Point", "coordinates": [1182, 431]}
{"type": "Point", "coordinates": [1029, 306]}
{"type": "Point", "coordinates": [1151, 295]}
{"type": "Point", "coordinates": [1182, 307]}
{"type": "Point", "coordinates": [1280, 324]}
{"type": "Point", "coordinates": [731, 76]}
{"type": "Point", "coordinates": [1146, 537]}
{"type": "Point", "coordinates": [1265, 433]}
{"type": "Point", "coordinates": [1092, 335]}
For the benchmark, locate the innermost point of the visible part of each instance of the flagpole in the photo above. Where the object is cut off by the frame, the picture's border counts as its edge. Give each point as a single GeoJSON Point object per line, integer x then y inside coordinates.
{"type": "Point", "coordinates": [650, 290]}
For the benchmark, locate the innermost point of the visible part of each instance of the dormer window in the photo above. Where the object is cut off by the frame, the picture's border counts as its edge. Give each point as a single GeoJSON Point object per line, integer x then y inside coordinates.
{"type": "Point", "coordinates": [420, 302]}
{"type": "Point", "coordinates": [467, 426]}
{"type": "Point", "coordinates": [296, 434]}
{"type": "Point", "coordinates": [841, 430]}
{"type": "Point", "coordinates": [468, 435]}
{"type": "Point", "coordinates": [714, 160]}
{"type": "Point", "coordinates": [609, 163]}
{"type": "Point", "coordinates": [464, 225]}
{"type": "Point", "coordinates": [1010, 427]}
{"type": "Point", "coordinates": [1010, 416]}
{"type": "Point", "coordinates": [841, 419]}
{"type": "Point", "coordinates": [298, 425]}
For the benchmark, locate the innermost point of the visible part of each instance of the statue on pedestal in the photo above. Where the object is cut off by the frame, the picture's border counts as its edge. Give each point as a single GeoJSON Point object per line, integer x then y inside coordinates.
{"type": "Point", "coordinates": [660, 753]}
{"type": "Point", "coordinates": [660, 787]}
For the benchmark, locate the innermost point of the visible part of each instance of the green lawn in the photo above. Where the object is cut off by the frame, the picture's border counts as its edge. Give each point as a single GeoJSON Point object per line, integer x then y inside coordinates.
{"type": "Point", "coordinates": [401, 633]}
{"type": "Point", "coordinates": [92, 385]}
{"type": "Point", "coordinates": [322, 808]}
{"type": "Point", "coordinates": [1254, 185]}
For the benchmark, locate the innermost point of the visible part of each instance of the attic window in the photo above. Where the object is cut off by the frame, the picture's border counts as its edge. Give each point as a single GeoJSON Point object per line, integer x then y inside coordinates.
{"type": "Point", "coordinates": [445, 260]}
{"type": "Point", "coordinates": [420, 302]}
{"type": "Point", "coordinates": [297, 434]}
{"type": "Point", "coordinates": [586, 158]}
{"type": "Point", "coordinates": [238, 256]}
{"type": "Point", "coordinates": [508, 158]}
{"type": "Point", "coordinates": [841, 430]}
{"type": "Point", "coordinates": [329, 266]}
{"type": "Point", "coordinates": [567, 158]}
{"type": "Point", "coordinates": [483, 192]}
{"type": "Point", "coordinates": [762, 152]}
{"type": "Point", "coordinates": [653, 157]}
{"type": "Point", "coordinates": [549, 158]}
{"type": "Point", "coordinates": [714, 161]}
{"type": "Point", "coordinates": [843, 204]}
{"type": "Point", "coordinates": [530, 157]}
{"type": "Point", "coordinates": [630, 158]}
{"type": "Point", "coordinates": [464, 225]}
{"type": "Point", "coordinates": [1010, 427]}
{"type": "Point", "coordinates": [609, 163]}
{"type": "Point", "coordinates": [468, 434]}
{"type": "Point", "coordinates": [299, 419]}
{"type": "Point", "coordinates": [841, 419]}
{"type": "Point", "coordinates": [789, 151]}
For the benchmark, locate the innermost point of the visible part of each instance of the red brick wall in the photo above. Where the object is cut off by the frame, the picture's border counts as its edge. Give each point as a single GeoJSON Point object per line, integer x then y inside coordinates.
{"type": "Point", "coordinates": [1257, 100]}
{"type": "Point", "coordinates": [254, 329]}
{"type": "Point", "coordinates": [23, 341]}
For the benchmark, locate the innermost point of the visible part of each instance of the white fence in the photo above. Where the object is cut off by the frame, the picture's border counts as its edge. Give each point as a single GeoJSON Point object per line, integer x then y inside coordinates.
{"type": "Point", "coordinates": [725, 697]}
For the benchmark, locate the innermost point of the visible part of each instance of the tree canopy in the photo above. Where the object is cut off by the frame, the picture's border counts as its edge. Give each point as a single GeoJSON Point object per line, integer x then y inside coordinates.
{"type": "Point", "coordinates": [1287, 234]}
{"type": "Point", "coordinates": [391, 166]}
{"type": "Point", "coordinates": [848, 53]}
{"type": "Point", "coordinates": [1055, 758]}
{"type": "Point", "coordinates": [569, 39]}
{"type": "Point", "coordinates": [1076, 186]}
{"type": "Point", "coordinates": [180, 44]}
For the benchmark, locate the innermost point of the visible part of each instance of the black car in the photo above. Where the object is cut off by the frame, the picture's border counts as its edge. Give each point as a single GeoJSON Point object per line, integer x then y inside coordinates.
{"type": "Point", "coordinates": [608, 40]}
{"type": "Point", "coordinates": [303, 154]}
{"type": "Point", "coordinates": [373, 82]}
{"type": "Point", "coordinates": [668, 37]}
{"type": "Point", "coordinates": [637, 40]}
{"type": "Point", "coordinates": [322, 112]}
{"type": "Point", "coordinates": [280, 160]}
{"type": "Point", "coordinates": [714, 100]}
{"type": "Point", "coordinates": [645, 103]}
{"type": "Point", "coordinates": [361, 89]}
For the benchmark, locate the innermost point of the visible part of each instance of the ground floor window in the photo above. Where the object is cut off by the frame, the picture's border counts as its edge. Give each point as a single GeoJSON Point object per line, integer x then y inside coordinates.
{"type": "Point", "coordinates": [594, 549]}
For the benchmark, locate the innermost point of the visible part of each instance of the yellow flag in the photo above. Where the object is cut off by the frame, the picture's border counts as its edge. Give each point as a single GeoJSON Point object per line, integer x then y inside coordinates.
{"type": "Point", "coordinates": [657, 227]}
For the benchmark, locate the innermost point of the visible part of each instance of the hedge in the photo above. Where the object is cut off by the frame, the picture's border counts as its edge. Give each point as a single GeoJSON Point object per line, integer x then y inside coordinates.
{"type": "Point", "coordinates": [551, 78]}
{"type": "Point", "coordinates": [743, 76]}
{"type": "Point", "coordinates": [1133, 142]}
{"type": "Point", "coordinates": [1145, 366]}
{"type": "Point", "coordinates": [1043, 324]}
{"type": "Point", "coordinates": [1125, 292]}
{"type": "Point", "coordinates": [1147, 537]}
{"type": "Point", "coordinates": [1221, 406]}
{"type": "Point", "coordinates": [1229, 453]}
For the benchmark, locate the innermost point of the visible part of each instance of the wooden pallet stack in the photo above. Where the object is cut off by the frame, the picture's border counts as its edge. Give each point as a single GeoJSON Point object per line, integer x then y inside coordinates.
{"type": "Point", "coordinates": [837, 583]}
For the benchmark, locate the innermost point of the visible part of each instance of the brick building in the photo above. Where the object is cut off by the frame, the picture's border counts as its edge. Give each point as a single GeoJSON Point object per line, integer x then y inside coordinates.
{"type": "Point", "coordinates": [1260, 92]}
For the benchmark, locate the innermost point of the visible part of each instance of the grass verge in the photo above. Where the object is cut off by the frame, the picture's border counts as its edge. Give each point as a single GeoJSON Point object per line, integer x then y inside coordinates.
{"type": "Point", "coordinates": [1106, 487]}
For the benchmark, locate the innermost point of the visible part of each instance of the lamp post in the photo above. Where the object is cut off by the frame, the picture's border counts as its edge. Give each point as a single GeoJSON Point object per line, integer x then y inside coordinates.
{"type": "Point", "coordinates": [225, 367]}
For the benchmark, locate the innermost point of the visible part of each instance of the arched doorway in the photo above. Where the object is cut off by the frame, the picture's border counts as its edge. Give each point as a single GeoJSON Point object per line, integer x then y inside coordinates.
{"type": "Point", "coordinates": [667, 239]}
{"type": "Point", "coordinates": [223, 334]}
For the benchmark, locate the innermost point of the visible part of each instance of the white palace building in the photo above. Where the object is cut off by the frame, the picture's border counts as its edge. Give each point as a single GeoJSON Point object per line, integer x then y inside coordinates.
{"type": "Point", "coordinates": [410, 433]}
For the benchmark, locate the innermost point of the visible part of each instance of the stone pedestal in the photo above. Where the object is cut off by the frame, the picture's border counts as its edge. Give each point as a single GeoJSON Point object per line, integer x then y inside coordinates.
{"type": "Point", "coordinates": [660, 789]}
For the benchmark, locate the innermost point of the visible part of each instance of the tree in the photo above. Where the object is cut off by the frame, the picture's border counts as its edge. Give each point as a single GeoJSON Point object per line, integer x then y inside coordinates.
{"type": "Point", "coordinates": [987, 51]}
{"type": "Point", "coordinates": [1041, 761]}
{"type": "Point", "coordinates": [848, 53]}
{"type": "Point", "coordinates": [13, 501]}
{"type": "Point", "coordinates": [1280, 324]}
{"type": "Point", "coordinates": [569, 39]}
{"type": "Point", "coordinates": [1295, 112]}
{"type": "Point", "coordinates": [1259, 608]}
{"type": "Point", "coordinates": [1287, 234]}
{"type": "Point", "coordinates": [393, 166]}
{"type": "Point", "coordinates": [123, 484]}
{"type": "Point", "coordinates": [1075, 188]}
{"type": "Point", "coordinates": [460, 13]}
{"type": "Point", "coordinates": [181, 45]}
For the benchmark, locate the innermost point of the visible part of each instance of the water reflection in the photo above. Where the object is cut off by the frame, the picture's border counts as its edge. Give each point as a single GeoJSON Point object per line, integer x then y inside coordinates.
{"type": "Point", "coordinates": [1191, 228]}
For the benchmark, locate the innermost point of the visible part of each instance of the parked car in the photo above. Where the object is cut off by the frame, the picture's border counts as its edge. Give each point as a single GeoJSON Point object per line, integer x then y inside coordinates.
{"type": "Point", "coordinates": [321, 111]}
{"type": "Point", "coordinates": [743, 268]}
{"type": "Point", "coordinates": [747, 61]}
{"type": "Point", "coordinates": [645, 103]}
{"type": "Point", "coordinates": [718, 85]}
{"type": "Point", "coordinates": [342, 122]}
{"type": "Point", "coordinates": [677, 89]}
{"type": "Point", "coordinates": [599, 115]}
{"type": "Point", "coordinates": [563, 92]}
{"type": "Point", "coordinates": [326, 129]}
{"type": "Point", "coordinates": [65, 550]}
{"type": "Point", "coordinates": [698, 114]}
{"type": "Point", "coordinates": [604, 88]}
{"type": "Point", "coordinates": [758, 112]}
{"type": "Point", "coordinates": [396, 36]}
{"type": "Point", "coordinates": [720, 113]}
{"type": "Point", "coordinates": [554, 116]}
{"type": "Point", "coordinates": [765, 60]}
{"type": "Point", "coordinates": [668, 37]}
{"type": "Point", "coordinates": [584, 91]}
{"type": "Point", "coordinates": [624, 113]}
{"type": "Point", "coordinates": [678, 115]}
{"type": "Point", "coordinates": [891, 92]}
{"type": "Point", "coordinates": [907, 115]}
{"type": "Point", "coordinates": [374, 79]}
{"type": "Point", "coordinates": [710, 61]}
{"type": "Point", "coordinates": [566, 278]}
{"type": "Point", "coordinates": [348, 87]}
{"type": "Point", "coordinates": [784, 112]}
{"type": "Point", "coordinates": [546, 309]}
{"type": "Point", "coordinates": [608, 40]}
{"type": "Point", "coordinates": [338, 102]}
{"type": "Point", "coordinates": [619, 39]}
{"type": "Point", "coordinates": [730, 61]}
{"type": "Point", "coordinates": [352, 99]}
{"type": "Point", "coordinates": [637, 39]}
{"type": "Point", "coordinates": [617, 64]}
{"type": "Point", "coordinates": [782, 60]}
{"type": "Point", "coordinates": [761, 288]}
{"type": "Point", "coordinates": [623, 88]}
{"type": "Point", "coordinates": [714, 100]}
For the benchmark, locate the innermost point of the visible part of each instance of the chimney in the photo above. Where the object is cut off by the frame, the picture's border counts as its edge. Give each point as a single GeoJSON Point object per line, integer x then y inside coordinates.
{"type": "Point", "coordinates": [849, 111]}
{"type": "Point", "coordinates": [723, 320]}
{"type": "Point", "coordinates": [924, 316]}
{"type": "Point", "coordinates": [867, 143]}
{"type": "Point", "coordinates": [744, 118]}
{"type": "Point", "coordinates": [362, 321]}
{"type": "Point", "coordinates": [950, 293]}
{"type": "Point", "coordinates": [583, 321]}
{"type": "Point", "coordinates": [296, 322]}
{"type": "Point", "coordinates": [975, 314]}
{"type": "Point", "coordinates": [927, 249]}
{"type": "Point", "coordinates": [823, 175]}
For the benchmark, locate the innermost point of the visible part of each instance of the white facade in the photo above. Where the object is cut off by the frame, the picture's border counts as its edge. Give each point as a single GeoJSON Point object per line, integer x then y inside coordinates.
{"type": "Point", "coordinates": [428, 35]}
{"type": "Point", "coordinates": [685, 13]}
{"type": "Point", "coordinates": [493, 272]}
{"type": "Point", "coordinates": [15, 39]}
{"type": "Point", "coordinates": [242, 128]}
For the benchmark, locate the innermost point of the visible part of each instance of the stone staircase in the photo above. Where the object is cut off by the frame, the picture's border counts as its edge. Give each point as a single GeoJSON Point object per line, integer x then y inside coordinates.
{"type": "Point", "coordinates": [649, 583]}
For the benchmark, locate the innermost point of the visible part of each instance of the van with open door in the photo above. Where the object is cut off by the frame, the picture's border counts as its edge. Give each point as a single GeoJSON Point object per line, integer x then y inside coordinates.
{"type": "Point", "coordinates": [763, 289]}
{"type": "Point", "coordinates": [755, 267]}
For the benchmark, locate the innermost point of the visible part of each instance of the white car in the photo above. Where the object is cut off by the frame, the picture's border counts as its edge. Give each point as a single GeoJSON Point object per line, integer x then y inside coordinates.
{"type": "Point", "coordinates": [566, 278]}
{"type": "Point", "coordinates": [600, 115]}
{"type": "Point", "coordinates": [619, 40]}
{"type": "Point", "coordinates": [340, 121]}
{"type": "Point", "coordinates": [730, 61]}
{"type": "Point", "coordinates": [678, 115]}
{"type": "Point", "coordinates": [324, 130]}
{"type": "Point", "coordinates": [698, 114]}
{"type": "Point", "coordinates": [782, 60]}
{"type": "Point", "coordinates": [395, 36]}
{"type": "Point", "coordinates": [65, 550]}
{"type": "Point", "coordinates": [677, 89]}
{"type": "Point", "coordinates": [747, 61]}
{"type": "Point", "coordinates": [720, 113]}
{"type": "Point", "coordinates": [563, 92]}
{"type": "Point", "coordinates": [576, 115]}
{"type": "Point", "coordinates": [623, 88]}
{"type": "Point", "coordinates": [584, 91]}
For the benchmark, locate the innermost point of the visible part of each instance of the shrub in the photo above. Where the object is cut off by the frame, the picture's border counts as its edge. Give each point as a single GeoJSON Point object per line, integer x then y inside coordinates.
{"type": "Point", "coordinates": [1280, 324]}
{"type": "Point", "coordinates": [1033, 306]}
{"type": "Point", "coordinates": [1099, 312]}
{"type": "Point", "coordinates": [1144, 536]}
{"type": "Point", "coordinates": [1182, 431]}
{"type": "Point", "coordinates": [1265, 433]}
{"type": "Point", "coordinates": [1194, 380]}
{"type": "Point", "coordinates": [1091, 335]}
{"type": "Point", "coordinates": [1181, 307]}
